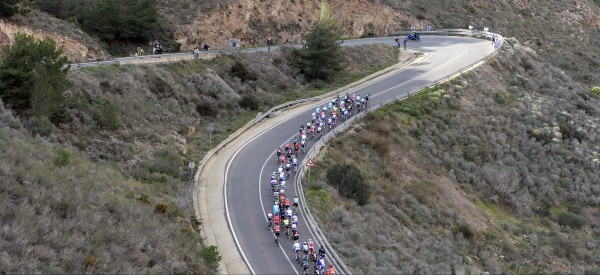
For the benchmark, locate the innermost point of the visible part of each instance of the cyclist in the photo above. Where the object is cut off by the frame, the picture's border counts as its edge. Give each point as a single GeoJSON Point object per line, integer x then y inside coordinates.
{"type": "Point", "coordinates": [311, 246]}
{"type": "Point", "coordinates": [296, 202]}
{"type": "Point", "coordinates": [281, 160]}
{"type": "Point", "coordinates": [321, 264]}
{"type": "Point", "coordinates": [288, 168]}
{"type": "Point", "coordinates": [287, 205]}
{"type": "Point", "coordinates": [276, 219]}
{"type": "Point", "coordinates": [288, 212]}
{"type": "Point", "coordinates": [304, 248]}
{"type": "Point", "coordinates": [331, 270]}
{"type": "Point", "coordinates": [313, 257]}
{"type": "Point", "coordinates": [321, 252]}
{"type": "Point", "coordinates": [275, 209]}
{"type": "Point", "coordinates": [282, 184]}
{"type": "Point", "coordinates": [269, 219]}
{"type": "Point", "coordinates": [296, 249]}
{"type": "Point", "coordinates": [295, 164]}
{"type": "Point", "coordinates": [312, 131]}
{"type": "Point", "coordinates": [286, 226]}
{"type": "Point", "coordinates": [295, 235]}
{"type": "Point", "coordinates": [305, 266]}
{"type": "Point", "coordinates": [276, 232]}
{"type": "Point", "coordinates": [294, 227]}
{"type": "Point", "coordinates": [303, 144]}
{"type": "Point", "coordinates": [295, 218]}
{"type": "Point", "coordinates": [278, 151]}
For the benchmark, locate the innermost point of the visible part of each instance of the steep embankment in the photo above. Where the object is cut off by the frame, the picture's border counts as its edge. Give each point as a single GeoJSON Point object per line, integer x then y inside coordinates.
{"type": "Point", "coordinates": [284, 21]}
{"type": "Point", "coordinates": [107, 190]}
{"type": "Point", "coordinates": [494, 171]}
{"type": "Point", "coordinates": [77, 45]}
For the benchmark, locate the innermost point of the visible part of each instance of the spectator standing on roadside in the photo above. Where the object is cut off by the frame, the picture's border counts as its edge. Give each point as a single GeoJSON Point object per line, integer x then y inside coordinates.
{"type": "Point", "coordinates": [397, 41]}
{"type": "Point", "coordinates": [269, 43]}
{"type": "Point", "coordinates": [196, 53]}
{"type": "Point", "coordinates": [405, 40]}
{"type": "Point", "coordinates": [206, 47]}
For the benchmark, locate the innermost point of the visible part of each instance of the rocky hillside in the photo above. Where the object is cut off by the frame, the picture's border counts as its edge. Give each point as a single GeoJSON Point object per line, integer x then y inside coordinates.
{"type": "Point", "coordinates": [286, 21]}
{"type": "Point", "coordinates": [78, 45]}
{"type": "Point", "coordinates": [564, 32]}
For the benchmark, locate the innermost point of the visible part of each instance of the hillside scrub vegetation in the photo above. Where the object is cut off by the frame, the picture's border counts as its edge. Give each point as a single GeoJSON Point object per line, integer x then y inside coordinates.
{"type": "Point", "coordinates": [495, 171]}
{"type": "Point", "coordinates": [106, 190]}
{"type": "Point", "coordinates": [62, 213]}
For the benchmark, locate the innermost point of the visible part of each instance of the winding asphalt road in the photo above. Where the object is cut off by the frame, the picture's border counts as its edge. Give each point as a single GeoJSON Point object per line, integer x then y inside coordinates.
{"type": "Point", "coordinates": [247, 188]}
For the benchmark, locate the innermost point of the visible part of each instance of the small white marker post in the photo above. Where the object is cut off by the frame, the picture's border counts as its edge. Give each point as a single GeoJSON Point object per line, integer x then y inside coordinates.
{"type": "Point", "coordinates": [191, 165]}
{"type": "Point", "coordinates": [210, 128]}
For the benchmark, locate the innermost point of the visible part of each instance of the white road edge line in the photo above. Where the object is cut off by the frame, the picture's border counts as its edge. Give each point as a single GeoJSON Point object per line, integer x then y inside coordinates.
{"type": "Point", "coordinates": [237, 242]}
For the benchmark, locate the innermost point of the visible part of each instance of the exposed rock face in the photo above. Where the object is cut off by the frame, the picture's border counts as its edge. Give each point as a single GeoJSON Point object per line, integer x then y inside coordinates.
{"type": "Point", "coordinates": [77, 45]}
{"type": "Point", "coordinates": [253, 22]}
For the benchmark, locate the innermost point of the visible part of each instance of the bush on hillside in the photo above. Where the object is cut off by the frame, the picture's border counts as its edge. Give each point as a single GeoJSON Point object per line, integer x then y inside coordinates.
{"type": "Point", "coordinates": [110, 20]}
{"type": "Point", "coordinates": [33, 77]}
{"type": "Point", "coordinates": [105, 115]}
{"type": "Point", "coordinates": [9, 8]}
{"type": "Point", "coordinates": [595, 91]}
{"type": "Point", "coordinates": [349, 182]}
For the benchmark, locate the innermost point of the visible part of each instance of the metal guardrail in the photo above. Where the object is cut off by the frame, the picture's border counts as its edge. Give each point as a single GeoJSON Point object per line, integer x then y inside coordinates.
{"type": "Point", "coordinates": [284, 105]}
{"type": "Point", "coordinates": [313, 225]}
{"type": "Point", "coordinates": [159, 57]}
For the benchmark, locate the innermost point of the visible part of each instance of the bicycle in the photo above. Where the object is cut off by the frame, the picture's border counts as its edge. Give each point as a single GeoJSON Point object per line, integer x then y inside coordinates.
{"type": "Point", "coordinates": [276, 240]}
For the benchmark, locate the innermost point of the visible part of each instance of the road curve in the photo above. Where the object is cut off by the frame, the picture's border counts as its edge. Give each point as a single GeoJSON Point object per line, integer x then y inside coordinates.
{"type": "Point", "coordinates": [247, 189]}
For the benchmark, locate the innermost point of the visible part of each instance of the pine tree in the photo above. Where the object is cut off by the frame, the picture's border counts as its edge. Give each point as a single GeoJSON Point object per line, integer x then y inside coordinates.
{"type": "Point", "coordinates": [9, 8]}
{"type": "Point", "coordinates": [322, 59]}
{"type": "Point", "coordinates": [33, 77]}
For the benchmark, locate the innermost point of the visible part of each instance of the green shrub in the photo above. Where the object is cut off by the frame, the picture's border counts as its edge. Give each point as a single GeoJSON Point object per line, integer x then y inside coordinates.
{"type": "Point", "coordinates": [349, 182]}
{"type": "Point", "coordinates": [595, 91]}
{"type": "Point", "coordinates": [62, 157]}
{"type": "Point", "coordinates": [105, 115]}
{"type": "Point", "coordinates": [211, 255]}
{"type": "Point", "coordinates": [42, 125]}
{"type": "Point", "coordinates": [571, 220]}
{"type": "Point", "coordinates": [33, 77]}
{"type": "Point", "coordinates": [465, 230]}
{"type": "Point", "coordinates": [9, 8]}
{"type": "Point", "coordinates": [161, 208]}
{"type": "Point", "coordinates": [249, 102]}
{"type": "Point", "coordinates": [166, 161]}
{"type": "Point", "coordinates": [92, 262]}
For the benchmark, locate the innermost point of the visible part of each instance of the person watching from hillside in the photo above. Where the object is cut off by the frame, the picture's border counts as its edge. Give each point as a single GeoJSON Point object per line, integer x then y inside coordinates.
{"type": "Point", "coordinates": [206, 46]}
{"type": "Point", "coordinates": [269, 44]}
